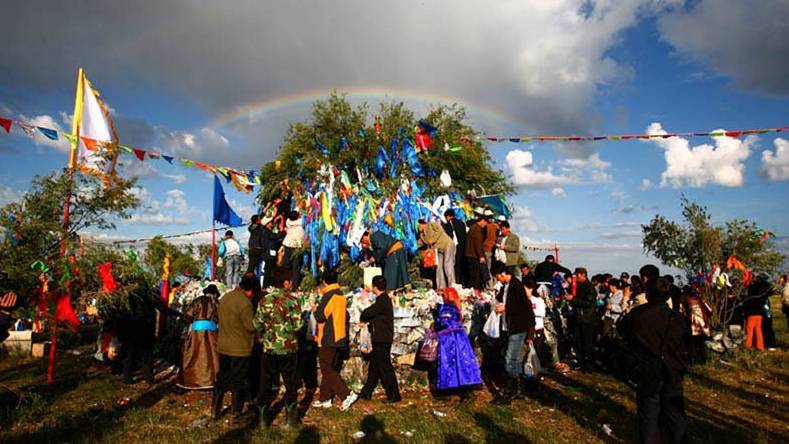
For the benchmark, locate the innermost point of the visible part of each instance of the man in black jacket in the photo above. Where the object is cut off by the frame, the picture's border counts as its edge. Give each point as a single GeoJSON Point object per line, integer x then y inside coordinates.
{"type": "Point", "coordinates": [380, 321]}
{"type": "Point", "coordinates": [656, 329]}
{"type": "Point", "coordinates": [584, 318]}
{"type": "Point", "coordinates": [517, 323]}
{"type": "Point", "coordinates": [255, 245]}
{"type": "Point", "coordinates": [545, 270]}
{"type": "Point", "coordinates": [457, 231]}
{"type": "Point", "coordinates": [271, 242]}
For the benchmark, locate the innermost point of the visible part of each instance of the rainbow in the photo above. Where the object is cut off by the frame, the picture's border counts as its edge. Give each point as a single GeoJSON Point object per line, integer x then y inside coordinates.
{"type": "Point", "coordinates": [357, 93]}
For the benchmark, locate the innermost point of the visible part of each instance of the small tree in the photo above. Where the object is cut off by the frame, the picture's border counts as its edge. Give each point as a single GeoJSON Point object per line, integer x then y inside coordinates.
{"type": "Point", "coordinates": [35, 224]}
{"type": "Point", "coordinates": [182, 259]}
{"type": "Point", "coordinates": [698, 246]}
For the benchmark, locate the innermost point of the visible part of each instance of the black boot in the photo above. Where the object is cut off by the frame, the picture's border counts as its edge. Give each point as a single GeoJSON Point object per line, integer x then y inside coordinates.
{"type": "Point", "coordinates": [216, 407]}
{"type": "Point", "coordinates": [506, 394]}
{"type": "Point", "coordinates": [238, 405]}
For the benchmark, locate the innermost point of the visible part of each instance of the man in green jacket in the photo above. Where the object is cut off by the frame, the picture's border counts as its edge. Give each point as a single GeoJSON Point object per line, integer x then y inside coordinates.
{"type": "Point", "coordinates": [510, 244]}
{"type": "Point", "coordinates": [236, 335]}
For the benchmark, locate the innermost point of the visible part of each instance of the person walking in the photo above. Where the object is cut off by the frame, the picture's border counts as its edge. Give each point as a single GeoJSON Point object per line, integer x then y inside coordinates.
{"type": "Point", "coordinates": [332, 317]}
{"type": "Point", "coordinates": [475, 253]}
{"type": "Point", "coordinates": [433, 235]}
{"type": "Point", "coordinates": [231, 253]}
{"type": "Point", "coordinates": [656, 329]}
{"type": "Point", "coordinates": [514, 302]}
{"type": "Point", "coordinates": [277, 321]}
{"type": "Point", "coordinates": [236, 335]}
{"type": "Point", "coordinates": [380, 320]}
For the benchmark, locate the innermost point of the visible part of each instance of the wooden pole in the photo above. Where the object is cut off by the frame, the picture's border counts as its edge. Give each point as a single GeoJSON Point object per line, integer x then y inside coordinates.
{"type": "Point", "coordinates": [213, 250]}
{"type": "Point", "coordinates": [66, 214]}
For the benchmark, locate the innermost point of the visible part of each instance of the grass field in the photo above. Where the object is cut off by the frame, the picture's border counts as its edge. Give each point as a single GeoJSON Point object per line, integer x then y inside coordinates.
{"type": "Point", "coordinates": [741, 401]}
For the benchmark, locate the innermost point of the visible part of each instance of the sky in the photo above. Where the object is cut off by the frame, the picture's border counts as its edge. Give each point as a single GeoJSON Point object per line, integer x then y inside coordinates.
{"type": "Point", "coordinates": [219, 82]}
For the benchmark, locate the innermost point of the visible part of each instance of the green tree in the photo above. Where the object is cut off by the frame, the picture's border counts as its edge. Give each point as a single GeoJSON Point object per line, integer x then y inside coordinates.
{"type": "Point", "coordinates": [182, 259]}
{"type": "Point", "coordinates": [335, 118]}
{"type": "Point", "coordinates": [697, 246]}
{"type": "Point", "coordinates": [35, 224]}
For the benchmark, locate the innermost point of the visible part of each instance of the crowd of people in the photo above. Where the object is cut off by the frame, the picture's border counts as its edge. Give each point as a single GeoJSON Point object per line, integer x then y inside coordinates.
{"type": "Point", "coordinates": [260, 336]}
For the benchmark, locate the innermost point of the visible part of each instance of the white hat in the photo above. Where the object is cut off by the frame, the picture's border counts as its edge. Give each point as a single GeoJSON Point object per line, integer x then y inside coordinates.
{"type": "Point", "coordinates": [502, 218]}
{"type": "Point", "coordinates": [488, 213]}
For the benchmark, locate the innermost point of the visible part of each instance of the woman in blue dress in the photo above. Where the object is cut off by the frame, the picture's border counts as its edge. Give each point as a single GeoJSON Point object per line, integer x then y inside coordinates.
{"type": "Point", "coordinates": [457, 370]}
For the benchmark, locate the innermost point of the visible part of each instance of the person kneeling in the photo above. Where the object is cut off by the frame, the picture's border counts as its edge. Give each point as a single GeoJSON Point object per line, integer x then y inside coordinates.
{"type": "Point", "coordinates": [380, 319]}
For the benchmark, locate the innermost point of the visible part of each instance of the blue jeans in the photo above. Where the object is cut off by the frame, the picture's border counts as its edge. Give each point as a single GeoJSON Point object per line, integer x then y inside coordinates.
{"type": "Point", "coordinates": [513, 363]}
{"type": "Point", "coordinates": [232, 271]}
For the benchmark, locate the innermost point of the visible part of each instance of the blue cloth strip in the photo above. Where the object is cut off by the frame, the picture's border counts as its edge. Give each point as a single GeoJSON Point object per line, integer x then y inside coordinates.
{"type": "Point", "coordinates": [204, 325]}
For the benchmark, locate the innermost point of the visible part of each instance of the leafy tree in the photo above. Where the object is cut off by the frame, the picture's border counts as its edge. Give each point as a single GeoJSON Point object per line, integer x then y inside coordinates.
{"type": "Point", "coordinates": [698, 246]}
{"type": "Point", "coordinates": [35, 224]}
{"type": "Point", "coordinates": [182, 259]}
{"type": "Point", "coordinates": [468, 163]}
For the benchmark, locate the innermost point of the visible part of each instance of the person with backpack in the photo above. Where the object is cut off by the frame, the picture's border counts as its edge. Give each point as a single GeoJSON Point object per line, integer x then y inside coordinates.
{"type": "Point", "coordinates": [660, 336]}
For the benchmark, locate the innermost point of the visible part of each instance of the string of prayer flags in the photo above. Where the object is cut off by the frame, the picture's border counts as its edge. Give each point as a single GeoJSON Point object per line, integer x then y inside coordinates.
{"type": "Point", "coordinates": [721, 133]}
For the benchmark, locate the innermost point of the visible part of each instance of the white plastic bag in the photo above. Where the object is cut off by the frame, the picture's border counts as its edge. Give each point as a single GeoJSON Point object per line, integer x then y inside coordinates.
{"type": "Point", "coordinates": [531, 365]}
{"type": "Point", "coordinates": [501, 255]}
{"type": "Point", "coordinates": [313, 326]}
{"type": "Point", "coordinates": [365, 342]}
{"type": "Point", "coordinates": [492, 325]}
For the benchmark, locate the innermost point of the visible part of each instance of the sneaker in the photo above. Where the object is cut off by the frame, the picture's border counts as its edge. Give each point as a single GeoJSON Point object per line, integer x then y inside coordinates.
{"type": "Point", "coordinates": [322, 404]}
{"type": "Point", "coordinates": [348, 402]}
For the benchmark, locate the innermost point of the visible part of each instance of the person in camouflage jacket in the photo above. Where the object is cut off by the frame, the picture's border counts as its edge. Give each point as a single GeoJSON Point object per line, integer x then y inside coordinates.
{"type": "Point", "coordinates": [277, 320]}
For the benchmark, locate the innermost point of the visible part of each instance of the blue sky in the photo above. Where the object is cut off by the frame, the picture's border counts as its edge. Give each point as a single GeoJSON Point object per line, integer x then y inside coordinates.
{"type": "Point", "coordinates": [170, 72]}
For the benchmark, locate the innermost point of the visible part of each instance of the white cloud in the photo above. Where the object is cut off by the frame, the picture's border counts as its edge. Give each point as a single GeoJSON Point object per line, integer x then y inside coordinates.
{"type": "Point", "coordinates": [199, 144]}
{"type": "Point", "coordinates": [47, 121]}
{"type": "Point", "coordinates": [645, 185]}
{"type": "Point", "coordinates": [621, 234]}
{"type": "Point", "coordinates": [558, 192]}
{"type": "Point", "coordinates": [595, 167]}
{"type": "Point", "coordinates": [158, 219]}
{"type": "Point", "coordinates": [722, 164]}
{"type": "Point", "coordinates": [776, 165]}
{"type": "Point", "coordinates": [521, 221]}
{"type": "Point", "coordinates": [176, 200]}
{"type": "Point", "coordinates": [521, 166]}
{"type": "Point", "coordinates": [8, 195]}
{"type": "Point", "coordinates": [147, 202]}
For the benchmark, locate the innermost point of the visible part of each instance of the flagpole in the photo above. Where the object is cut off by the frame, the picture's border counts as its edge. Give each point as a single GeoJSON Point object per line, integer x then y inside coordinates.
{"type": "Point", "coordinates": [213, 249]}
{"type": "Point", "coordinates": [66, 214]}
{"type": "Point", "coordinates": [556, 250]}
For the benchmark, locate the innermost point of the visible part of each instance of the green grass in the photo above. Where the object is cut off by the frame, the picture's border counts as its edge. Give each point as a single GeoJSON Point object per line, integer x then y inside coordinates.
{"type": "Point", "coordinates": [741, 401]}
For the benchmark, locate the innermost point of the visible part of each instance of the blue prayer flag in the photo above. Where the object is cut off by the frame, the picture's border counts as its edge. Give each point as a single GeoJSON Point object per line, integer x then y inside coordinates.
{"type": "Point", "coordinates": [49, 133]}
{"type": "Point", "coordinates": [222, 211]}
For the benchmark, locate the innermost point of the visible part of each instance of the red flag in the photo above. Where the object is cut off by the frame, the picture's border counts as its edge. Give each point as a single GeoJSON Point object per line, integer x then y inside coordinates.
{"type": "Point", "coordinates": [90, 144]}
{"type": "Point", "coordinates": [108, 281]}
{"type": "Point", "coordinates": [733, 133]}
{"type": "Point", "coordinates": [6, 124]}
{"type": "Point", "coordinates": [64, 312]}
{"type": "Point", "coordinates": [139, 153]}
